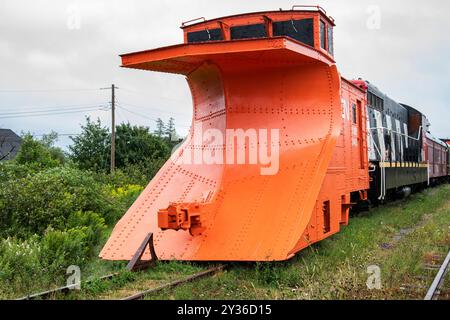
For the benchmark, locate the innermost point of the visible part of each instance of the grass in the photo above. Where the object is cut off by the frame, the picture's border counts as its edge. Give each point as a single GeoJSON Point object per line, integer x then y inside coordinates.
{"type": "Point", "coordinates": [128, 283]}
{"type": "Point", "coordinates": [398, 237]}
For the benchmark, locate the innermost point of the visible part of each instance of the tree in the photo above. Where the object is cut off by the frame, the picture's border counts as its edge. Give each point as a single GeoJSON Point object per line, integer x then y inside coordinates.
{"type": "Point", "coordinates": [135, 145]}
{"type": "Point", "coordinates": [40, 153]}
{"type": "Point", "coordinates": [160, 128]}
{"type": "Point", "coordinates": [170, 129]}
{"type": "Point", "coordinates": [49, 141]}
{"type": "Point", "coordinates": [91, 149]}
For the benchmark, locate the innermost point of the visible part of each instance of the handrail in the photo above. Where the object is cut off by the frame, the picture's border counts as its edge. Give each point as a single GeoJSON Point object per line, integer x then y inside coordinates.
{"type": "Point", "coordinates": [310, 7]}
{"type": "Point", "coordinates": [319, 8]}
{"type": "Point", "coordinates": [184, 24]}
{"type": "Point", "coordinates": [400, 133]}
{"type": "Point", "coordinates": [382, 170]}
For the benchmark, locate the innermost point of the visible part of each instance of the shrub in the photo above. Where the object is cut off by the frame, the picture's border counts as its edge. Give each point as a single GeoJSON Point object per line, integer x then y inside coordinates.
{"type": "Point", "coordinates": [59, 249]}
{"type": "Point", "coordinates": [35, 263]}
{"type": "Point", "coordinates": [19, 258]}
{"type": "Point", "coordinates": [135, 145]}
{"type": "Point", "coordinates": [38, 153]}
{"type": "Point", "coordinates": [93, 223]}
{"type": "Point", "coordinates": [46, 199]}
{"type": "Point", "coordinates": [10, 170]}
{"type": "Point", "coordinates": [127, 195]}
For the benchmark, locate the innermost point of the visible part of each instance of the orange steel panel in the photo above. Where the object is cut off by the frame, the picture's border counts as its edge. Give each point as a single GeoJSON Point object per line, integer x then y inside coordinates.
{"type": "Point", "coordinates": [246, 215]}
{"type": "Point", "coordinates": [347, 172]}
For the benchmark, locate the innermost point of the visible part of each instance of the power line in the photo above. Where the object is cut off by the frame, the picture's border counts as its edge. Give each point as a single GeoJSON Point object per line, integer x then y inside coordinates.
{"type": "Point", "coordinates": [37, 108]}
{"type": "Point", "coordinates": [144, 116]}
{"type": "Point", "coordinates": [50, 114]}
{"type": "Point", "coordinates": [47, 90]}
{"type": "Point", "coordinates": [59, 134]}
{"type": "Point", "coordinates": [152, 95]}
{"type": "Point", "coordinates": [155, 109]}
{"type": "Point", "coordinates": [50, 110]}
{"type": "Point", "coordinates": [135, 113]}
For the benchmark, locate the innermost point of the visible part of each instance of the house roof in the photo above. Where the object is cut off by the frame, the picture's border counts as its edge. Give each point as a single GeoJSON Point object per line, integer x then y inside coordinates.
{"type": "Point", "coordinates": [9, 144]}
{"type": "Point", "coordinates": [9, 134]}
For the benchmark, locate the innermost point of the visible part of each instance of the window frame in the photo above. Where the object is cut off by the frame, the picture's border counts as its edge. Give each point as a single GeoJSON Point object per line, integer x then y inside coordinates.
{"type": "Point", "coordinates": [354, 114]}
{"type": "Point", "coordinates": [323, 38]}
{"type": "Point", "coordinates": [330, 39]}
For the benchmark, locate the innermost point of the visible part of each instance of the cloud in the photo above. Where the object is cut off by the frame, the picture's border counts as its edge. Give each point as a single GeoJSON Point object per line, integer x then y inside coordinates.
{"type": "Point", "coordinates": [407, 57]}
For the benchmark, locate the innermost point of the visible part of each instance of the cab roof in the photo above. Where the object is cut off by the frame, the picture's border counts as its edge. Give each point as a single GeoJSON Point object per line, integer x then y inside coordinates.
{"type": "Point", "coordinates": [304, 9]}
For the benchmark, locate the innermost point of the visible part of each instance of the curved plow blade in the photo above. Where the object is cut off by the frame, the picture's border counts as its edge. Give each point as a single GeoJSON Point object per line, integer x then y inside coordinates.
{"type": "Point", "coordinates": [244, 184]}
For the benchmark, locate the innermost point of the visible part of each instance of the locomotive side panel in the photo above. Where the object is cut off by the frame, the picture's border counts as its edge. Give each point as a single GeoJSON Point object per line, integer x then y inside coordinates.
{"type": "Point", "coordinates": [395, 145]}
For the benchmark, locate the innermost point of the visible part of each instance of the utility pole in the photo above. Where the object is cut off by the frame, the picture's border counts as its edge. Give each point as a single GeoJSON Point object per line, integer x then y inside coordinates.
{"type": "Point", "coordinates": [113, 126]}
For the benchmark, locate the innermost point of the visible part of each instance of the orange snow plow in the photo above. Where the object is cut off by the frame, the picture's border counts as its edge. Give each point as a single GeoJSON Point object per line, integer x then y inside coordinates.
{"type": "Point", "coordinates": [243, 185]}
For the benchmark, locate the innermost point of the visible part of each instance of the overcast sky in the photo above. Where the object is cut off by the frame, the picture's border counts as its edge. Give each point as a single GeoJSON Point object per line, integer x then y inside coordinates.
{"type": "Point", "coordinates": [55, 55]}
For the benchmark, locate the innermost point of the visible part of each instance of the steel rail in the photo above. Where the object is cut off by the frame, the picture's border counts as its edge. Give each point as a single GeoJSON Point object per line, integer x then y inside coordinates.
{"type": "Point", "coordinates": [439, 280]}
{"type": "Point", "coordinates": [176, 283]}
{"type": "Point", "coordinates": [62, 290]}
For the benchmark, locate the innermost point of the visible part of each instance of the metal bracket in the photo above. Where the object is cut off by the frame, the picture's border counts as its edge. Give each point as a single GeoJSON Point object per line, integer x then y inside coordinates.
{"type": "Point", "coordinates": [136, 263]}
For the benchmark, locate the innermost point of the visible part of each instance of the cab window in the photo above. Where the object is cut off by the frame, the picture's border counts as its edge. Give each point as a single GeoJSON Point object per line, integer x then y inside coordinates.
{"type": "Point", "coordinates": [330, 40]}
{"type": "Point", "coordinates": [205, 35]}
{"type": "Point", "coordinates": [248, 32]}
{"type": "Point", "coordinates": [323, 42]}
{"type": "Point", "coordinates": [300, 30]}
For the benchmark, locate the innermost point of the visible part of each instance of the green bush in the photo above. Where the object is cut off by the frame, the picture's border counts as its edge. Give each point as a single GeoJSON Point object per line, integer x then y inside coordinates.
{"type": "Point", "coordinates": [19, 259]}
{"type": "Point", "coordinates": [38, 262]}
{"type": "Point", "coordinates": [53, 214]}
{"type": "Point", "coordinates": [10, 170]}
{"type": "Point", "coordinates": [136, 148]}
{"type": "Point", "coordinates": [93, 223]}
{"type": "Point", "coordinates": [137, 174]}
{"type": "Point", "coordinates": [39, 153]}
{"type": "Point", "coordinates": [125, 196]}
{"type": "Point", "coordinates": [59, 249]}
{"type": "Point", "coordinates": [46, 199]}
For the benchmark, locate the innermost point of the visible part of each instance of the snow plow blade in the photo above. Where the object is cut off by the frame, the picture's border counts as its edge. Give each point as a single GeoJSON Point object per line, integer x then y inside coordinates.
{"type": "Point", "coordinates": [285, 98]}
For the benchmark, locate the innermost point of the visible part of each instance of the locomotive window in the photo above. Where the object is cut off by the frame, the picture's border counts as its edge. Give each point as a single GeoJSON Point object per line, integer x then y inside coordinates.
{"type": "Point", "coordinates": [249, 31]}
{"type": "Point", "coordinates": [330, 40]}
{"type": "Point", "coordinates": [375, 101]}
{"type": "Point", "coordinates": [322, 35]}
{"type": "Point", "coordinates": [354, 113]}
{"type": "Point", "coordinates": [205, 35]}
{"type": "Point", "coordinates": [301, 30]}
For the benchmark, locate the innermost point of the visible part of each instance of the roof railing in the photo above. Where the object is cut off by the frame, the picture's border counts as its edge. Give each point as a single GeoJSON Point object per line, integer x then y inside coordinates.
{"type": "Point", "coordinates": [185, 23]}
{"type": "Point", "coordinates": [318, 8]}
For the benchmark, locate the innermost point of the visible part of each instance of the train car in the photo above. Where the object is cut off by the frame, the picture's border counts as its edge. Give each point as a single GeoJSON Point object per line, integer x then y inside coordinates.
{"type": "Point", "coordinates": [437, 157]}
{"type": "Point", "coordinates": [280, 148]}
{"type": "Point", "coordinates": [447, 141]}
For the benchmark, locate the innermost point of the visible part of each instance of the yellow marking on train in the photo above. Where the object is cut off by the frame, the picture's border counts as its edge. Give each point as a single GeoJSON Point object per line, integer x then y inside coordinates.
{"type": "Point", "coordinates": [403, 165]}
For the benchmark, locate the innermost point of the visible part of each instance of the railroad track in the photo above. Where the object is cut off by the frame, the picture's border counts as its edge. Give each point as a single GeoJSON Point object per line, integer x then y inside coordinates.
{"type": "Point", "coordinates": [66, 289]}
{"type": "Point", "coordinates": [173, 284]}
{"type": "Point", "coordinates": [435, 289]}
{"type": "Point", "coordinates": [61, 290]}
